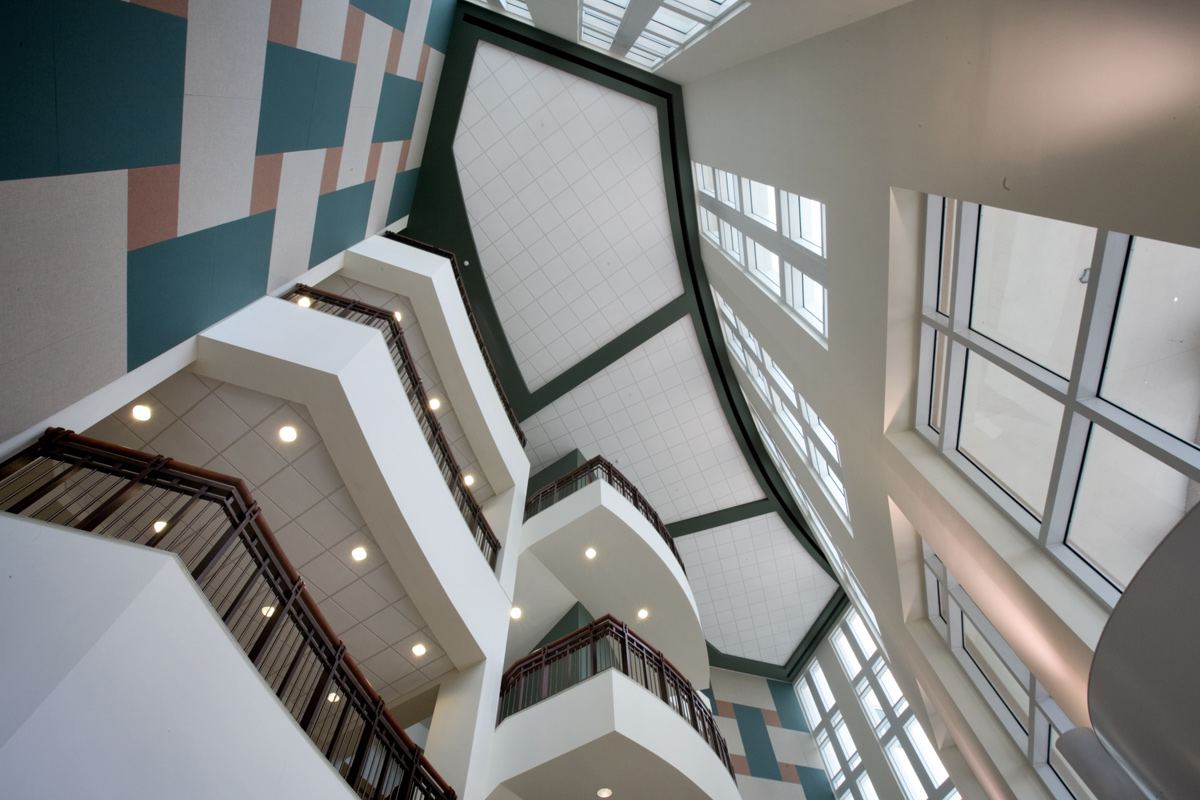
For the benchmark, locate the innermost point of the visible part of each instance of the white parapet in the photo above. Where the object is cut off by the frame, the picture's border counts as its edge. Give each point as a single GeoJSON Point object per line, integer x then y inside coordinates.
{"type": "Point", "coordinates": [121, 681]}
{"type": "Point", "coordinates": [605, 733]}
{"type": "Point", "coordinates": [633, 569]}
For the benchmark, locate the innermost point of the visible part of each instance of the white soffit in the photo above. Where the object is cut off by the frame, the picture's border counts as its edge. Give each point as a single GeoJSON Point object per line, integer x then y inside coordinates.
{"type": "Point", "coordinates": [563, 185]}
{"type": "Point", "coordinates": [655, 414]}
{"type": "Point", "coordinates": [757, 588]}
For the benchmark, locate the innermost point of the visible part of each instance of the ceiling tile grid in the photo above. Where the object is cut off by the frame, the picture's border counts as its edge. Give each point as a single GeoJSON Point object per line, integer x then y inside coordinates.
{"type": "Point", "coordinates": [235, 431]}
{"type": "Point", "coordinates": [460, 446]}
{"type": "Point", "coordinates": [655, 414]}
{"type": "Point", "coordinates": [758, 590]}
{"type": "Point", "coordinates": [564, 191]}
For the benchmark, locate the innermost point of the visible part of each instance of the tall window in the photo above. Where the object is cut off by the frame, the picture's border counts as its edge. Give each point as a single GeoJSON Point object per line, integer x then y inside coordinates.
{"type": "Point", "coordinates": [812, 438]}
{"type": "Point", "coordinates": [1060, 373]}
{"type": "Point", "coordinates": [1027, 712]}
{"type": "Point", "coordinates": [777, 237]}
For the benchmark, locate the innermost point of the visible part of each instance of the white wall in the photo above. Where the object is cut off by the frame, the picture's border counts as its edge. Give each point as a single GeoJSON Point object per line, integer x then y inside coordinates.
{"type": "Point", "coordinates": [122, 682]}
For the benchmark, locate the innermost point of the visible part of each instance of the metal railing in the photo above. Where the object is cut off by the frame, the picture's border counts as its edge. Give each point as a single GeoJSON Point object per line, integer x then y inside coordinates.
{"type": "Point", "coordinates": [213, 524]}
{"type": "Point", "coordinates": [462, 291]}
{"type": "Point", "coordinates": [596, 469]}
{"type": "Point", "coordinates": [604, 644]}
{"type": "Point", "coordinates": [386, 323]}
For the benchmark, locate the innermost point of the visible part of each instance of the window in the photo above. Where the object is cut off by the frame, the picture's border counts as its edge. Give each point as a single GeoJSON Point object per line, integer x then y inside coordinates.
{"type": "Point", "coordinates": [1059, 374]}
{"type": "Point", "coordinates": [1012, 692]}
{"type": "Point", "coordinates": [757, 233]}
{"type": "Point", "coordinates": [665, 26]}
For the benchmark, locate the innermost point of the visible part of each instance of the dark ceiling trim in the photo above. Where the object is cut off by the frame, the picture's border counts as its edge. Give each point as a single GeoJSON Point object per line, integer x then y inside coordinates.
{"type": "Point", "coordinates": [725, 516]}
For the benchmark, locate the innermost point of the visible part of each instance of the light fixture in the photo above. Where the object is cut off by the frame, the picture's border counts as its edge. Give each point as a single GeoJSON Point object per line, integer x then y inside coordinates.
{"type": "Point", "coordinates": [515, 613]}
{"type": "Point", "coordinates": [160, 526]}
{"type": "Point", "coordinates": [434, 403]}
{"type": "Point", "coordinates": [287, 433]}
{"type": "Point", "coordinates": [469, 480]}
{"type": "Point", "coordinates": [418, 649]}
{"type": "Point", "coordinates": [398, 316]}
{"type": "Point", "coordinates": [304, 302]}
{"type": "Point", "coordinates": [604, 793]}
{"type": "Point", "coordinates": [268, 611]}
{"type": "Point", "coordinates": [643, 613]}
{"type": "Point", "coordinates": [333, 697]}
{"type": "Point", "coordinates": [141, 413]}
{"type": "Point", "coordinates": [358, 553]}
{"type": "Point", "coordinates": [590, 552]}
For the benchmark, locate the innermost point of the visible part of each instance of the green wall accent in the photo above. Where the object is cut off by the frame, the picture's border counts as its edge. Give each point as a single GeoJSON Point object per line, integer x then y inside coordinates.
{"type": "Point", "coordinates": [393, 12]}
{"type": "Point", "coordinates": [573, 620]}
{"type": "Point", "coordinates": [341, 221]}
{"type": "Point", "coordinates": [402, 195]}
{"type": "Point", "coordinates": [815, 783]}
{"type": "Point", "coordinates": [548, 475]}
{"type": "Point", "coordinates": [179, 287]}
{"type": "Point", "coordinates": [724, 516]}
{"type": "Point", "coordinates": [787, 705]}
{"type": "Point", "coordinates": [398, 99]}
{"type": "Point", "coordinates": [760, 754]}
{"type": "Point", "coordinates": [437, 29]}
{"type": "Point", "coordinates": [305, 100]}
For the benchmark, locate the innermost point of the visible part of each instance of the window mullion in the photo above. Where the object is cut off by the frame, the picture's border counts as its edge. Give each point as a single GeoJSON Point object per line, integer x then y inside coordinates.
{"type": "Point", "coordinates": [952, 392]}
{"type": "Point", "coordinates": [934, 232]}
{"type": "Point", "coordinates": [964, 266]}
{"type": "Point", "coordinates": [1099, 312]}
{"type": "Point", "coordinates": [1064, 478]}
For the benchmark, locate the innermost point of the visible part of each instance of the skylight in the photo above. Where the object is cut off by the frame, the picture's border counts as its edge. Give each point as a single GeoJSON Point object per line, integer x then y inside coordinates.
{"type": "Point", "coordinates": [649, 32]}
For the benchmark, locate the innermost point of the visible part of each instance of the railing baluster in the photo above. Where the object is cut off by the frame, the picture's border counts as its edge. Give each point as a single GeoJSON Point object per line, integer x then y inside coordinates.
{"type": "Point", "coordinates": [223, 544]}
{"type": "Point", "coordinates": [268, 635]}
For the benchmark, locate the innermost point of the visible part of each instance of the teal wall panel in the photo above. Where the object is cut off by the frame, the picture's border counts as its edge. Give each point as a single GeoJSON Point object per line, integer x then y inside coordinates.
{"type": "Point", "coordinates": [437, 31]}
{"type": "Point", "coordinates": [397, 114]}
{"type": "Point", "coordinates": [402, 195]}
{"type": "Point", "coordinates": [119, 85]}
{"type": "Point", "coordinates": [815, 783]}
{"type": "Point", "coordinates": [759, 753]}
{"type": "Point", "coordinates": [787, 705]}
{"type": "Point", "coordinates": [393, 12]}
{"type": "Point", "coordinates": [341, 221]}
{"type": "Point", "coordinates": [28, 128]}
{"type": "Point", "coordinates": [305, 100]}
{"type": "Point", "coordinates": [179, 287]}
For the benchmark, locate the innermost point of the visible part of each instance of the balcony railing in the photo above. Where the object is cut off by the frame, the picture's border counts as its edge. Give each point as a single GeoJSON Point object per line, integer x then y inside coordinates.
{"type": "Point", "coordinates": [604, 644]}
{"type": "Point", "coordinates": [386, 323]}
{"type": "Point", "coordinates": [595, 470]}
{"type": "Point", "coordinates": [462, 291]}
{"type": "Point", "coordinates": [213, 524]}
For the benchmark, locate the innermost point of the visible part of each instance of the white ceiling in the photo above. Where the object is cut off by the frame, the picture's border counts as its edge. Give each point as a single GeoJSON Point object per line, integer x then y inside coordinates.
{"type": "Point", "coordinates": [757, 588]}
{"type": "Point", "coordinates": [655, 414]}
{"type": "Point", "coordinates": [235, 431]}
{"type": "Point", "coordinates": [563, 185]}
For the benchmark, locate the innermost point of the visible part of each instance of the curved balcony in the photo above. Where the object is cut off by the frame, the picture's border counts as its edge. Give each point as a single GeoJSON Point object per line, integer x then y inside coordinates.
{"type": "Point", "coordinates": [601, 697]}
{"type": "Point", "coordinates": [633, 566]}
{"type": "Point", "coordinates": [213, 524]}
{"type": "Point", "coordinates": [386, 323]}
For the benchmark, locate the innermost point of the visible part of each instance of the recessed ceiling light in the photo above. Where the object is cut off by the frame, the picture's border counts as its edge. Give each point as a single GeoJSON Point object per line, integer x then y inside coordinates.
{"type": "Point", "coordinates": [141, 413]}
{"type": "Point", "coordinates": [643, 613]}
{"type": "Point", "coordinates": [333, 697]}
{"type": "Point", "coordinates": [418, 649]}
{"type": "Point", "coordinates": [160, 526]}
{"type": "Point", "coordinates": [398, 316]}
{"type": "Point", "coordinates": [358, 553]}
{"type": "Point", "coordinates": [469, 480]}
{"type": "Point", "coordinates": [304, 302]}
{"type": "Point", "coordinates": [590, 552]}
{"type": "Point", "coordinates": [604, 793]}
{"type": "Point", "coordinates": [267, 611]}
{"type": "Point", "coordinates": [515, 613]}
{"type": "Point", "coordinates": [434, 403]}
{"type": "Point", "coordinates": [287, 433]}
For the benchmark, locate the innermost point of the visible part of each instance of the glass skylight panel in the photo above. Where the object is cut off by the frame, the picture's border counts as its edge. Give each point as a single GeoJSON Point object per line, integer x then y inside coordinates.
{"type": "Point", "coordinates": [519, 8]}
{"type": "Point", "coordinates": [760, 201]}
{"type": "Point", "coordinates": [762, 262]}
{"type": "Point", "coordinates": [810, 299]}
{"type": "Point", "coordinates": [803, 221]}
{"type": "Point", "coordinates": [703, 9]}
{"type": "Point", "coordinates": [673, 26]}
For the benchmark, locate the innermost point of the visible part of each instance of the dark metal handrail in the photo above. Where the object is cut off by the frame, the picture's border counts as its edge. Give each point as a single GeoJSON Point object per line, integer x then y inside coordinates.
{"type": "Point", "coordinates": [604, 644]}
{"type": "Point", "coordinates": [386, 323]}
{"type": "Point", "coordinates": [462, 290]}
{"type": "Point", "coordinates": [599, 468]}
{"type": "Point", "coordinates": [213, 524]}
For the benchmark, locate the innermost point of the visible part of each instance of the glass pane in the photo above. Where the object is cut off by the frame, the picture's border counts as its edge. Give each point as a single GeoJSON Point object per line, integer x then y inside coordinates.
{"type": "Point", "coordinates": [764, 262]}
{"type": "Point", "coordinates": [866, 788]}
{"type": "Point", "coordinates": [814, 299]}
{"type": "Point", "coordinates": [1010, 430]}
{"type": "Point", "coordinates": [872, 706]}
{"type": "Point", "coordinates": [708, 182]}
{"type": "Point", "coordinates": [925, 750]}
{"type": "Point", "coordinates": [812, 714]}
{"type": "Point", "coordinates": [1028, 289]}
{"type": "Point", "coordinates": [761, 199]}
{"type": "Point", "coordinates": [1010, 690]}
{"type": "Point", "coordinates": [1153, 368]}
{"type": "Point", "coordinates": [937, 400]}
{"type": "Point", "coordinates": [812, 223]}
{"type": "Point", "coordinates": [906, 775]}
{"type": "Point", "coordinates": [861, 635]}
{"type": "Point", "coordinates": [829, 756]}
{"type": "Point", "coordinates": [848, 747]}
{"type": "Point", "coordinates": [891, 688]}
{"type": "Point", "coordinates": [1127, 501]}
{"type": "Point", "coordinates": [846, 653]}
{"type": "Point", "coordinates": [818, 676]}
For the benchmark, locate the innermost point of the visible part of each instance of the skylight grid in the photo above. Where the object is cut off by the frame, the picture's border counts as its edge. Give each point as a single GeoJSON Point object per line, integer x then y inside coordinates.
{"type": "Point", "coordinates": [654, 30]}
{"type": "Point", "coordinates": [518, 8]}
{"type": "Point", "coordinates": [775, 236]}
